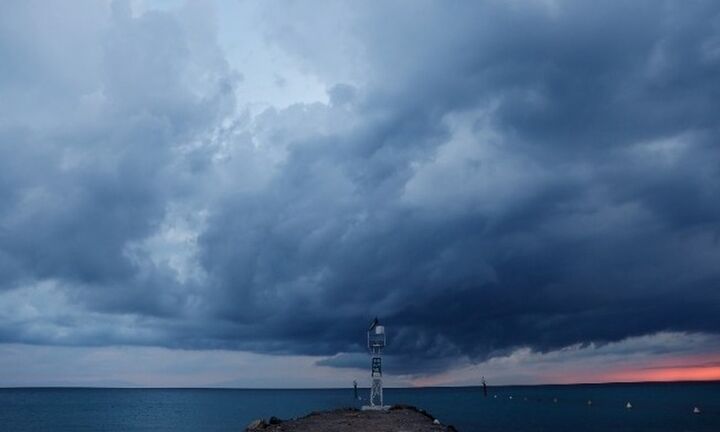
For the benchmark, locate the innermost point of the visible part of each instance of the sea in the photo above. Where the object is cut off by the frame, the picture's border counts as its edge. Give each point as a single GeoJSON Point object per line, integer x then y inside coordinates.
{"type": "Point", "coordinates": [655, 407]}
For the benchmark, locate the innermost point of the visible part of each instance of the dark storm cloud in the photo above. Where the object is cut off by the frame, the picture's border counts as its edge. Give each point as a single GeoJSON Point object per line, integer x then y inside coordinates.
{"type": "Point", "coordinates": [79, 186]}
{"type": "Point", "coordinates": [500, 175]}
{"type": "Point", "coordinates": [617, 104]}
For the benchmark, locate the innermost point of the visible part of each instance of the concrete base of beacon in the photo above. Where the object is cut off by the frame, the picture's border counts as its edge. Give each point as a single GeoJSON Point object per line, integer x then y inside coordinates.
{"type": "Point", "coordinates": [375, 407]}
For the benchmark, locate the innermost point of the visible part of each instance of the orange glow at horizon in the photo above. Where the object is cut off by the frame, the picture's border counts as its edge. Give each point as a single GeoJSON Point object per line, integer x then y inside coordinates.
{"type": "Point", "coordinates": [689, 373]}
{"type": "Point", "coordinates": [686, 368]}
{"type": "Point", "coordinates": [705, 367]}
{"type": "Point", "coordinates": [695, 368]}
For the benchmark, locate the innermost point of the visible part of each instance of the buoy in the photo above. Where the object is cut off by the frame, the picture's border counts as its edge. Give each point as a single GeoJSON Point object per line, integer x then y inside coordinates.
{"type": "Point", "coordinates": [509, 397]}
{"type": "Point", "coordinates": [589, 402]}
{"type": "Point", "coordinates": [696, 410]}
{"type": "Point", "coordinates": [495, 396]}
{"type": "Point", "coordinates": [555, 400]}
{"type": "Point", "coordinates": [628, 405]}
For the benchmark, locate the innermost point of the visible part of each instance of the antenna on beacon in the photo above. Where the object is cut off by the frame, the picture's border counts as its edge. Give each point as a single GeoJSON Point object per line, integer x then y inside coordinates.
{"type": "Point", "coordinates": [376, 343]}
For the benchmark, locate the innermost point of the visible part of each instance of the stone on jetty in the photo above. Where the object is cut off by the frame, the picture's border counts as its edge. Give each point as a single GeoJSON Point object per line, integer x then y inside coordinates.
{"type": "Point", "coordinates": [397, 418]}
{"type": "Point", "coordinates": [254, 425]}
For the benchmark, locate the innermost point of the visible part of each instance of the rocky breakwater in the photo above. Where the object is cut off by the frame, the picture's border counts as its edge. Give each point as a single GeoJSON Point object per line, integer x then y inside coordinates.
{"type": "Point", "coordinates": [397, 418]}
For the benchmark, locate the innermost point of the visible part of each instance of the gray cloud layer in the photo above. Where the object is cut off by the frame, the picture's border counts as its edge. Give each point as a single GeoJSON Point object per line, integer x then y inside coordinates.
{"type": "Point", "coordinates": [485, 176]}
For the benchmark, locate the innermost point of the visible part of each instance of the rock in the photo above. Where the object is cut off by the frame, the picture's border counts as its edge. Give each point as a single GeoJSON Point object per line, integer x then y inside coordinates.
{"type": "Point", "coordinates": [258, 424]}
{"type": "Point", "coordinates": [274, 420]}
{"type": "Point", "coordinates": [696, 410]}
{"type": "Point", "coordinates": [628, 405]}
{"type": "Point", "coordinates": [399, 418]}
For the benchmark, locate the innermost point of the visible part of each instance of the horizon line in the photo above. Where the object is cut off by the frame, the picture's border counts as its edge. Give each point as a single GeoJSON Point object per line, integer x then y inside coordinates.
{"type": "Point", "coordinates": [713, 381]}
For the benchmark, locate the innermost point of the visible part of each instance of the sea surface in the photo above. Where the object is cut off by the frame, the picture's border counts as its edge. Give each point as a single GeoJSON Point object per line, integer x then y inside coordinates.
{"type": "Point", "coordinates": [655, 407]}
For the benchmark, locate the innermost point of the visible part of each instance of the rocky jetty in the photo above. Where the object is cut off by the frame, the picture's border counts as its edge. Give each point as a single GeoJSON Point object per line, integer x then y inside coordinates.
{"type": "Point", "coordinates": [397, 418]}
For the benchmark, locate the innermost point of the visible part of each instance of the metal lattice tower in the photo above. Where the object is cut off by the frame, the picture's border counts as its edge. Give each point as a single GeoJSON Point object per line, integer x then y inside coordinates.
{"type": "Point", "coordinates": [376, 343]}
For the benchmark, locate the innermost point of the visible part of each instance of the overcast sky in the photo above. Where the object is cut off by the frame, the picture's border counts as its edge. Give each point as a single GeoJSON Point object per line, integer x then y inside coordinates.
{"type": "Point", "coordinates": [226, 193]}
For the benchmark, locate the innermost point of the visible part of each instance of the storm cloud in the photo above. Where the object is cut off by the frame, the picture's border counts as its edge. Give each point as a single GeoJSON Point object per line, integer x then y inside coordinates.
{"type": "Point", "coordinates": [485, 177]}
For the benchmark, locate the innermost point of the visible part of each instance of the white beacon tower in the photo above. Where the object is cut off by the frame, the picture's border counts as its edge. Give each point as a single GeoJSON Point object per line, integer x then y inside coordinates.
{"type": "Point", "coordinates": [376, 343]}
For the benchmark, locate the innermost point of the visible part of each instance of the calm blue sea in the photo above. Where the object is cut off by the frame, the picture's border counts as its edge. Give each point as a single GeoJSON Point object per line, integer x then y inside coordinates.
{"type": "Point", "coordinates": [656, 407]}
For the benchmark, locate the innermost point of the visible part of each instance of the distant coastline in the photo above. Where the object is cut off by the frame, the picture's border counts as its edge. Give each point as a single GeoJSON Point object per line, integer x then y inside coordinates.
{"type": "Point", "coordinates": [359, 387]}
